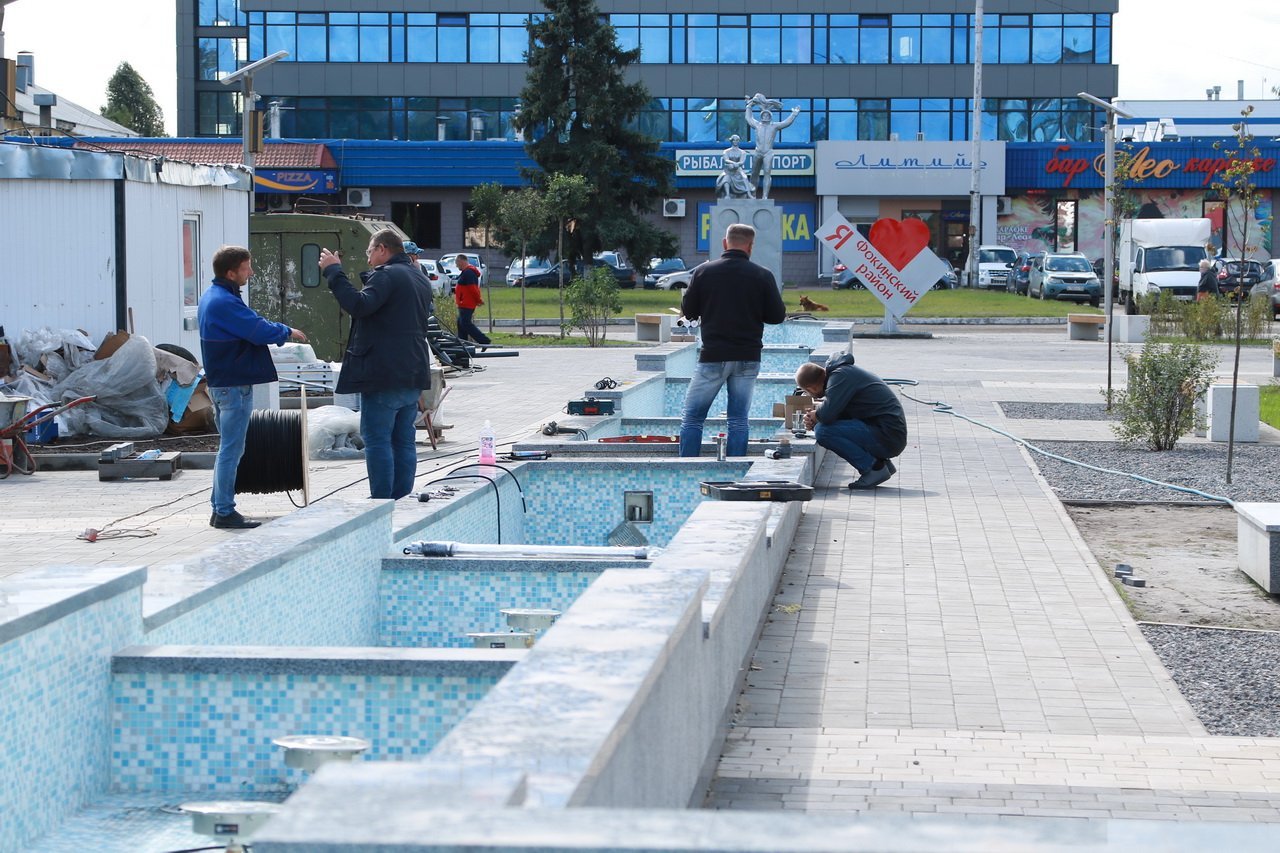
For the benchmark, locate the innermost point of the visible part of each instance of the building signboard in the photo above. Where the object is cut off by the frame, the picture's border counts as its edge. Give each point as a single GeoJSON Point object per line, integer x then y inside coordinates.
{"type": "Point", "coordinates": [709, 162]}
{"type": "Point", "coordinates": [933, 169]}
{"type": "Point", "coordinates": [797, 227]}
{"type": "Point", "coordinates": [1193, 164]}
{"type": "Point", "coordinates": [295, 180]}
{"type": "Point", "coordinates": [894, 262]}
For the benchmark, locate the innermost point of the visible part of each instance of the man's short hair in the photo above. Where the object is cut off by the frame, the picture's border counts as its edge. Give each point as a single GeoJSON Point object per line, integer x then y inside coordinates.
{"type": "Point", "coordinates": [810, 373]}
{"type": "Point", "coordinates": [229, 258]}
{"type": "Point", "coordinates": [460, 259]}
{"type": "Point", "coordinates": [390, 239]}
{"type": "Point", "coordinates": [740, 235]}
{"type": "Point", "coordinates": [1204, 264]}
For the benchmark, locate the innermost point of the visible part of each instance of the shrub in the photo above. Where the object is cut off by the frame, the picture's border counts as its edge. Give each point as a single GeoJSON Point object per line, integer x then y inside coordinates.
{"type": "Point", "coordinates": [1158, 406]}
{"type": "Point", "coordinates": [1202, 320]}
{"type": "Point", "coordinates": [593, 300]}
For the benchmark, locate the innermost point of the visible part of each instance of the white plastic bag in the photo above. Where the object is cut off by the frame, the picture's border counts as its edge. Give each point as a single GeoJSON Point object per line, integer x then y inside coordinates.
{"type": "Point", "coordinates": [333, 432]}
{"type": "Point", "coordinates": [129, 403]}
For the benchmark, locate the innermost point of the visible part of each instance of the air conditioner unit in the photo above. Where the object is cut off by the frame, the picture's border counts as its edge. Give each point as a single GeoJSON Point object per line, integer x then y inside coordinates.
{"type": "Point", "coordinates": [1004, 205]}
{"type": "Point", "coordinates": [673, 207]}
{"type": "Point", "coordinates": [279, 202]}
{"type": "Point", "coordinates": [359, 197]}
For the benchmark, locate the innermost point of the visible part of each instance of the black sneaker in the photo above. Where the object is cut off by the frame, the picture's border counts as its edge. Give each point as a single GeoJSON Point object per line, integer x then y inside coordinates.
{"type": "Point", "coordinates": [232, 521]}
{"type": "Point", "coordinates": [875, 476]}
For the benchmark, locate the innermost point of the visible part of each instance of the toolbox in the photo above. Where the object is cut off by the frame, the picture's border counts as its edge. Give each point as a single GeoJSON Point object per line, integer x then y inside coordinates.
{"type": "Point", "coordinates": [591, 406]}
{"type": "Point", "coordinates": [119, 462]}
{"type": "Point", "coordinates": [756, 490]}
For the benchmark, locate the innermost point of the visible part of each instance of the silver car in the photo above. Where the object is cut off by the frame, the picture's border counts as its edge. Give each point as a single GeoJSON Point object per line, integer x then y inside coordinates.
{"type": "Point", "coordinates": [447, 264]}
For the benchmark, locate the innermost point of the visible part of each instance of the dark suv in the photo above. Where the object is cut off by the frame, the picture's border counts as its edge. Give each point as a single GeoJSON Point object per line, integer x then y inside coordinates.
{"type": "Point", "coordinates": [1018, 282]}
{"type": "Point", "coordinates": [1235, 273]}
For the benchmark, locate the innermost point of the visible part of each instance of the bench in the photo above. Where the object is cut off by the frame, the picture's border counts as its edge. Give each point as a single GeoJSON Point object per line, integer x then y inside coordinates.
{"type": "Point", "coordinates": [1085, 327]}
{"type": "Point", "coordinates": [653, 327]}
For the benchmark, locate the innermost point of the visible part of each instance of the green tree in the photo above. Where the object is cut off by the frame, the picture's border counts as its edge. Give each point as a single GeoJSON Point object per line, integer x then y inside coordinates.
{"type": "Point", "coordinates": [593, 301]}
{"type": "Point", "coordinates": [131, 102]}
{"type": "Point", "coordinates": [486, 206]}
{"type": "Point", "coordinates": [567, 197]}
{"type": "Point", "coordinates": [1240, 197]}
{"type": "Point", "coordinates": [524, 215]}
{"type": "Point", "coordinates": [581, 113]}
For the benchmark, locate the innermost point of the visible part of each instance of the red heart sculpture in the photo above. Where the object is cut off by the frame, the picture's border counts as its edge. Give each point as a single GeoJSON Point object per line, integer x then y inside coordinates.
{"type": "Point", "coordinates": [899, 242]}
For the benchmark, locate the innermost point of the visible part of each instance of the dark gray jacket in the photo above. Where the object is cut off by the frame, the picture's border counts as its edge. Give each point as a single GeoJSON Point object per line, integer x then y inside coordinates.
{"type": "Point", "coordinates": [856, 394]}
{"type": "Point", "coordinates": [388, 347]}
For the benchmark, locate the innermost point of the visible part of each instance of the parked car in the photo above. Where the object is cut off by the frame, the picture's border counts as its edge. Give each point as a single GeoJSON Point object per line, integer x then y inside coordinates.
{"type": "Point", "coordinates": [658, 267]}
{"type": "Point", "coordinates": [1021, 277]}
{"type": "Point", "coordinates": [1235, 273]}
{"type": "Point", "coordinates": [525, 266]}
{"type": "Point", "coordinates": [995, 264]}
{"type": "Point", "coordinates": [441, 281]}
{"type": "Point", "coordinates": [1270, 284]}
{"type": "Point", "coordinates": [842, 278]}
{"type": "Point", "coordinates": [676, 280]}
{"type": "Point", "coordinates": [1065, 275]}
{"type": "Point", "coordinates": [550, 278]}
{"type": "Point", "coordinates": [447, 264]}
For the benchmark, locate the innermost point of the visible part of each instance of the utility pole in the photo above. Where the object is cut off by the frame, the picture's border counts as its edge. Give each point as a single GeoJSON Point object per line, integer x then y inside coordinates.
{"type": "Point", "coordinates": [975, 151]}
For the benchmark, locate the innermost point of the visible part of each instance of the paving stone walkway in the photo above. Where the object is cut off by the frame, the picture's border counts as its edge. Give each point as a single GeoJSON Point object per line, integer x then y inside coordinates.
{"type": "Point", "coordinates": [947, 643]}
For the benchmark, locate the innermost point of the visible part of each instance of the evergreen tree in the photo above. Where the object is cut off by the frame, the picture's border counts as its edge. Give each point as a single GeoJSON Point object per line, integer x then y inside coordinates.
{"type": "Point", "coordinates": [581, 113]}
{"type": "Point", "coordinates": [131, 102]}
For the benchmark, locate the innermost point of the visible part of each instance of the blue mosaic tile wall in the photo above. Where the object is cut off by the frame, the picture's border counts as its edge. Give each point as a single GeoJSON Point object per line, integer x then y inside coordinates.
{"type": "Point", "coordinates": [644, 400]}
{"type": "Point", "coordinates": [807, 332]}
{"type": "Point", "coordinates": [325, 596]}
{"type": "Point", "coordinates": [579, 502]}
{"type": "Point", "coordinates": [770, 389]}
{"type": "Point", "coordinates": [677, 363]}
{"type": "Point", "coordinates": [54, 721]}
{"type": "Point", "coordinates": [784, 359]}
{"type": "Point", "coordinates": [202, 732]}
{"type": "Point", "coordinates": [766, 428]}
{"type": "Point", "coordinates": [436, 609]}
{"type": "Point", "coordinates": [473, 516]}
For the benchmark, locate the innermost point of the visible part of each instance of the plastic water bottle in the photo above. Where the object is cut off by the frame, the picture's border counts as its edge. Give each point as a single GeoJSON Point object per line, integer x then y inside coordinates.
{"type": "Point", "coordinates": [486, 445]}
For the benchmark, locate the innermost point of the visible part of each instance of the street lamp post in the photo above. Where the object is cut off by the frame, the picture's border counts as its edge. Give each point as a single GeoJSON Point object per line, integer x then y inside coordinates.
{"type": "Point", "coordinates": [1109, 215]}
{"type": "Point", "coordinates": [245, 77]}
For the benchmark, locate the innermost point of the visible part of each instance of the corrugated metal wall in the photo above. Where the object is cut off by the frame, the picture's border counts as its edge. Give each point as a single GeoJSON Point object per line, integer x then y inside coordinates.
{"type": "Point", "coordinates": [57, 242]}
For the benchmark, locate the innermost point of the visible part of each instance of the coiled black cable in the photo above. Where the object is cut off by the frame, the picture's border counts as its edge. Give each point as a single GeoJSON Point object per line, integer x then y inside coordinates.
{"type": "Point", "coordinates": [497, 495]}
{"type": "Point", "coordinates": [524, 505]}
{"type": "Point", "coordinates": [272, 460]}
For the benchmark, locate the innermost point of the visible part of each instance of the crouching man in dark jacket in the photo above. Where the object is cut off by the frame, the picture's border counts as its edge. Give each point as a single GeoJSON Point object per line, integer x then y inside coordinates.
{"type": "Point", "coordinates": [859, 418]}
{"type": "Point", "coordinates": [387, 362]}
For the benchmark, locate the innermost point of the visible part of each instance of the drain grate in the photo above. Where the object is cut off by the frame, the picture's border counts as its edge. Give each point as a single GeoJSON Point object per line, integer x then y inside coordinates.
{"type": "Point", "coordinates": [626, 534]}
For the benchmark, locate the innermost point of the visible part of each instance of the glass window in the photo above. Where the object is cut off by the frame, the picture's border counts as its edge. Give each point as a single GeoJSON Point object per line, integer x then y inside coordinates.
{"type": "Point", "coordinates": [733, 45]}
{"type": "Point", "coordinates": [628, 37]}
{"type": "Point", "coordinates": [312, 44]}
{"type": "Point", "coordinates": [1102, 45]}
{"type": "Point", "coordinates": [374, 42]}
{"type": "Point", "coordinates": [282, 38]}
{"type": "Point", "coordinates": [191, 260]}
{"type": "Point", "coordinates": [513, 41]}
{"type": "Point", "coordinates": [219, 13]}
{"type": "Point", "coordinates": [873, 119]}
{"type": "Point", "coordinates": [484, 42]}
{"type": "Point", "coordinates": [906, 44]}
{"type": "Point", "coordinates": [1015, 45]}
{"type": "Point", "coordinates": [1046, 43]}
{"type": "Point", "coordinates": [421, 42]}
{"type": "Point", "coordinates": [655, 44]}
{"type": "Point", "coordinates": [310, 265]}
{"type": "Point", "coordinates": [873, 40]}
{"type": "Point", "coordinates": [797, 43]}
{"type": "Point", "coordinates": [935, 45]}
{"type": "Point", "coordinates": [702, 45]}
{"type": "Point", "coordinates": [344, 44]}
{"type": "Point", "coordinates": [843, 47]}
{"type": "Point", "coordinates": [766, 44]}
{"type": "Point", "coordinates": [1077, 44]}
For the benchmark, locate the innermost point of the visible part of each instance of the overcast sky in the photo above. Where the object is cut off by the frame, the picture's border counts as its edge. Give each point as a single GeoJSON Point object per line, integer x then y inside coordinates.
{"type": "Point", "coordinates": [1166, 49]}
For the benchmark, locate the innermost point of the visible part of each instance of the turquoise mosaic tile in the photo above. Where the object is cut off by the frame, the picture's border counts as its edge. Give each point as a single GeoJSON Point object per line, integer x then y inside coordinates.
{"type": "Point", "coordinates": [54, 683]}
{"type": "Point", "coordinates": [579, 502]}
{"type": "Point", "coordinates": [807, 332]}
{"type": "Point", "coordinates": [770, 389]}
{"type": "Point", "coordinates": [476, 514]}
{"type": "Point", "coordinates": [758, 429]}
{"type": "Point", "coordinates": [433, 609]}
{"type": "Point", "coordinates": [675, 360]}
{"type": "Point", "coordinates": [203, 732]}
{"type": "Point", "coordinates": [783, 358]}
{"type": "Point", "coordinates": [326, 595]}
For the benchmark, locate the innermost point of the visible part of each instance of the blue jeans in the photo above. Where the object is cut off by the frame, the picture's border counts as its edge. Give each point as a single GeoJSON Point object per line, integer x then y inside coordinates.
{"type": "Point", "coordinates": [386, 425]}
{"type": "Point", "coordinates": [706, 383]}
{"type": "Point", "coordinates": [231, 409]}
{"type": "Point", "coordinates": [468, 329]}
{"type": "Point", "coordinates": [853, 441]}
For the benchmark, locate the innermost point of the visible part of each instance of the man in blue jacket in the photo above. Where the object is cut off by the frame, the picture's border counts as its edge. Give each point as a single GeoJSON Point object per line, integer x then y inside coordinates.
{"type": "Point", "coordinates": [233, 344]}
{"type": "Point", "coordinates": [387, 362]}
{"type": "Point", "coordinates": [733, 299]}
{"type": "Point", "coordinates": [859, 419]}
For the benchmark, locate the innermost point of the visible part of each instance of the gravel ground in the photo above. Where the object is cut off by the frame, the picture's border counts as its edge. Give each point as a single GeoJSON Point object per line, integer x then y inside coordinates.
{"type": "Point", "coordinates": [1198, 466]}
{"type": "Point", "coordinates": [1056, 411]}
{"type": "Point", "coordinates": [1227, 676]}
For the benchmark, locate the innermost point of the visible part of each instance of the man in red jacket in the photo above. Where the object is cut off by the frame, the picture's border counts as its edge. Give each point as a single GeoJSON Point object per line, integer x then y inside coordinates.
{"type": "Point", "coordinates": [466, 295]}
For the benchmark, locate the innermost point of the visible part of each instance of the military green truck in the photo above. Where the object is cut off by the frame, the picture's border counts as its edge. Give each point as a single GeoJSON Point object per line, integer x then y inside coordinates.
{"type": "Point", "coordinates": [287, 285]}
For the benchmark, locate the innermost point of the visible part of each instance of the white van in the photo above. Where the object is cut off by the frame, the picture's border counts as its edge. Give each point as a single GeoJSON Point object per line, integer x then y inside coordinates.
{"type": "Point", "coordinates": [995, 266]}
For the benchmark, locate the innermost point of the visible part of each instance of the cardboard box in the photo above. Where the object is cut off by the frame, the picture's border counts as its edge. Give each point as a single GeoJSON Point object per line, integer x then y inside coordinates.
{"type": "Point", "coordinates": [791, 404]}
{"type": "Point", "coordinates": [110, 344]}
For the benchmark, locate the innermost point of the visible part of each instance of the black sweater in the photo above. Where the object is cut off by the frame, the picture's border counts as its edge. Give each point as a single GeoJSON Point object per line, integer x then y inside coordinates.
{"type": "Point", "coordinates": [856, 394]}
{"type": "Point", "coordinates": [733, 298]}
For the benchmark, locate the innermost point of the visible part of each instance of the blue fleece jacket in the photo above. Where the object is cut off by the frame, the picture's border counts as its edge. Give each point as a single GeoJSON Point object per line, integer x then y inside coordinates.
{"type": "Point", "coordinates": [234, 338]}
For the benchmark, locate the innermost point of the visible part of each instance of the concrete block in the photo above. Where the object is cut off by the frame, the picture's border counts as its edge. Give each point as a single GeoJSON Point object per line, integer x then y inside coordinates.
{"type": "Point", "coordinates": [1130, 329]}
{"type": "Point", "coordinates": [1258, 543]}
{"type": "Point", "coordinates": [1084, 327]}
{"type": "Point", "coordinates": [267, 396]}
{"type": "Point", "coordinates": [1248, 401]}
{"type": "Point", "coordinates": [653, 327]}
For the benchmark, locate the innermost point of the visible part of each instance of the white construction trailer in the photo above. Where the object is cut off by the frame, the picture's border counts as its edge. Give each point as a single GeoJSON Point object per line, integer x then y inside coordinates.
{"type": "Point", "coordinates": [105, 241]}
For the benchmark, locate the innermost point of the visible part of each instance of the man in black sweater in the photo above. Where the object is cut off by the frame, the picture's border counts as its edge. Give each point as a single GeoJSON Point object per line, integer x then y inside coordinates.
{"type": "Point", "coordinates": [733, 299]}
{"type": "Point", "coordinates": [859, 419]}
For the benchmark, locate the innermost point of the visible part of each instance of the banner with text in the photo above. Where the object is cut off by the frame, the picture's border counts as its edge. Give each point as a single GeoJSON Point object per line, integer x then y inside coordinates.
{"type": "Point", "coordinates": [894, 262]}
{"type": "Point", "coordinates": [797, 227]}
